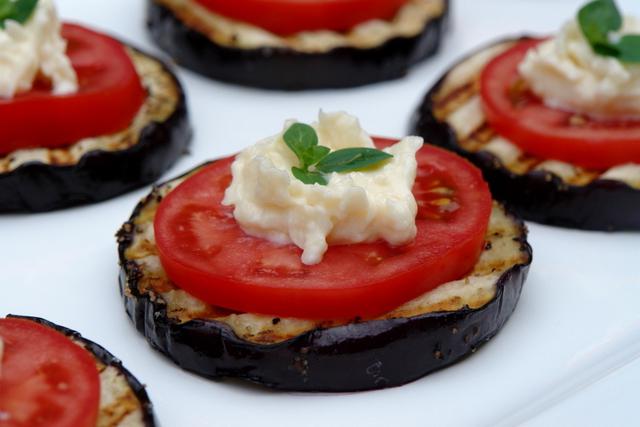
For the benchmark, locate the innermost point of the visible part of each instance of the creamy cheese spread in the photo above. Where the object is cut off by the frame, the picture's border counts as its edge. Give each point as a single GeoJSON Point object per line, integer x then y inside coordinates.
{"type": "Point", "coordinates": [35, 49]}
{"type": "Point", "coordinates": [354, 207]}
{"type": "Point", "coordinates": [569, 75]}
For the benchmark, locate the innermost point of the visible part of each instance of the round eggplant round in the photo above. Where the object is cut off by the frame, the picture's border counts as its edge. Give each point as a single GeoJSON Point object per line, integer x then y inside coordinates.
{"type": "Point", "coordinates": [124, 401]}
{"type": "Point", "coordinates": [192, 36]}
{"type": "Point", "coordinates": [431, 332]}
{"type": "Point", "coordinates": [540, 190]}
{"type": "Point", "coordinates": [102, 167]}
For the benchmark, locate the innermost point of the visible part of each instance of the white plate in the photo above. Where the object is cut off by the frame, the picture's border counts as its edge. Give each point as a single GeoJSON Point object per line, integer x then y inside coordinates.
{"type": "Point", "coordinates": [577, 322]}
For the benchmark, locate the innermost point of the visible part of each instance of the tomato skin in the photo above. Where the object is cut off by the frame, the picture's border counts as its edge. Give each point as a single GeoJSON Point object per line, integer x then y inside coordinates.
{"type": "Point", "coordinates": [287, 17]}
{"type": "Point", "coordinates": [46, 379]}
{"type": "Point", "coordinates": [110, 95]}
{"type": "Point", "coordinates": [205, 252]}
{"type": "Point", "coordinates": [546, 132]}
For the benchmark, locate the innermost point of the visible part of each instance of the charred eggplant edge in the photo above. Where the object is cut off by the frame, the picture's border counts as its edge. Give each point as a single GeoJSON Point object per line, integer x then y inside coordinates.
{"type": "Point", "coordinates": [285, 68]}
{"type": "Point", "coordinates": [539, 196]}
{"type": "Point", "coordinates": [100, 175]}
{"type": "Point", "coordinates": [108, 359]}
{"type": "Point", "coordinates": [318, 360]}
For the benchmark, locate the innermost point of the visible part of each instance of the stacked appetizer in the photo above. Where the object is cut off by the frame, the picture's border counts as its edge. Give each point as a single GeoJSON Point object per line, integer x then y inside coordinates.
{"type": "Point", "coordinates": [554, 123]}
{"type": "Point", "coordinates": [84, 117]}
{"type": "Point", "coordinates": [321, 259]}
{"type": "Point", "coordinates": [292, 45]}
{"type": "Point", "coordinates": [51, 376]}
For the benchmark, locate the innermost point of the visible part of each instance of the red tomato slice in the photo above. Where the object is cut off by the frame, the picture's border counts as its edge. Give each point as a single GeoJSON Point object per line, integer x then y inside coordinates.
{"type": "Point", "coordinates": [548, 133]}
{"type": "Point", "coordinates": [206, 253]}
{"type": "Point", "coordinates": [45, 380]}
{"type": "Point", "coordinates": [293, 16]}
{"type": "Point", "coordinates": [110, 95]}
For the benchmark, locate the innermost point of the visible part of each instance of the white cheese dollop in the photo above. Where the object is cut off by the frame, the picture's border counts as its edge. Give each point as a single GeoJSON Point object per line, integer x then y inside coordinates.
{"type": "Point", "coordinates": [35, 48]}
{"type": "Point", "coordinates": [569, 75]}
{"type": "Point", "coordinates": [354, 207]}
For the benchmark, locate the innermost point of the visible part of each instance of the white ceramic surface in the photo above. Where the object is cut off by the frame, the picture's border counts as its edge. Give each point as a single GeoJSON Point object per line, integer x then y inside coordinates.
{"type": "Point", "coordinates": [568, 356]}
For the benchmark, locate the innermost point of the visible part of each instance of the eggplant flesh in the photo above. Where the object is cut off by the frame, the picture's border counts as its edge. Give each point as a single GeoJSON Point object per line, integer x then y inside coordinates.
{"type": "Point", "coordinates": [124, 401]}
{"type": "Point", "coordinates": [285, 68]}
{"type": "Point", "coordinates": [435, 330]}
{"type": "Point", "coordinates": [540, 190]}
{"type": "Point", "coordinates": [99, 168]}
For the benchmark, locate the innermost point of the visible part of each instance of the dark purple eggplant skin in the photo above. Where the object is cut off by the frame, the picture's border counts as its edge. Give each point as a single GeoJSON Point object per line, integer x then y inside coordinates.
{"type": "Point", "coordinates": [99, 175]}
{"type": "Point", "coordinates": [287, 69]}
{"type": "Point", "coordinates": [108, 359]}
{"type": "Point", "coordinates": [543, 197]}
{"type": "Point", "coordinates": [363, 355]}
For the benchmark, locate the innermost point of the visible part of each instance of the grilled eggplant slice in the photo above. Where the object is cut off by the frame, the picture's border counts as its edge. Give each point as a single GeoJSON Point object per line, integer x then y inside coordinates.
{"type": "Point", "coordinates": [239, 53]}
{"type": "Point", "coordinates": [95, 169]}
{"type": "Point", "coordinates": [123, 400]}
{"type": "Point", "coordinates": [435, 330]}
{"type": "Point", "coordinates": [545, 191]}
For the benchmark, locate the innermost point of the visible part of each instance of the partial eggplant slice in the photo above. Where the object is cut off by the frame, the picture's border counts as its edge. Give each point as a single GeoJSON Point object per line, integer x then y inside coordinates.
{"type": "Point", "coordinates": [123, 400]}
{"type": "Point", "coordinates": [239, 53]}
{"type": "Point", "coordinates": [431, 332]}
{"type": "Point", "coordinates": [541, 190]}
{"type": "Point", "coordinates": [95, 169]}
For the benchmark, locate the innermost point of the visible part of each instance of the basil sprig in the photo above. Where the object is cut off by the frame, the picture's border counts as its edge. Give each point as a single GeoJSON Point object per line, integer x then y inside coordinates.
{"type": "Point", "coordinates": [599, 18]}
{"type": "Point", "coordinates": [303, 141]}
{"type": "Point", "coordinates": [16, 10]}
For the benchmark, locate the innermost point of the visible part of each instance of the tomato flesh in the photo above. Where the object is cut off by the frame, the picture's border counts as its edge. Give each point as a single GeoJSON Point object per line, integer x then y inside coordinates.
{"type": "Point", "coordinates": [45, 379]}
{"type": "Point", "coordinates": [205, 252]}
{"type": "Point", "coordinates": [109, 96]}
{"type": "Point", "coordinates": [287, 17]}
{"type": "Point", "coordinates": [546, 132]}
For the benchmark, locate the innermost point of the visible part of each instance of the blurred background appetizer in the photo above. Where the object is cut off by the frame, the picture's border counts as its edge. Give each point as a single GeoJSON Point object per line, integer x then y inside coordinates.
{"type": "Point", "coordinates": [84, 116]}
{"type": "Point", "coordinates": [51, 376]}
{"type": "Point", "coordinates": [293, 45]}
{"type": "Point", "coordinates": [554, 123]}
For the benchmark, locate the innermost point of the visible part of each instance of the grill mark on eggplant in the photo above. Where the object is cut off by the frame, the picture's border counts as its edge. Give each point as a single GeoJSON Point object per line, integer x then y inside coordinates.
{"type": "Point", "coordinates": [132, 406]}
{"type": "Point", "coordinates": [299, 354]}
{"type": "Point", "coordinates": [451, 101]}
{"type": "Point", "coordinates": [99, 168]}
{"type": "Point", "coordinates": [180, 32]}
{"type": "Point", "coordinates": [533, 187]}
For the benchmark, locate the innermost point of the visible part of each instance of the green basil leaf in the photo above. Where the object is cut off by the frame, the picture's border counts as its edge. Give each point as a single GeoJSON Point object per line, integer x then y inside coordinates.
{"type": "Point", "coordinates": [301, 138]}
{"type": "Point", "coordinates": [16, 10]}
{"type": "Point", "coordinates": [605, 49]}
{"type": "Point", "coordinates": [597, 19]}
{"type": "Point", "coordinates": [315, 154]}
{"type": "Point", "coordinates": [629, 48]}
{"type": "Point", "coordinates": [351, 159]}
{"type": "Point", "coordinates": [6, 9]}
{"type": "Point", "coordinates": [308, 177]}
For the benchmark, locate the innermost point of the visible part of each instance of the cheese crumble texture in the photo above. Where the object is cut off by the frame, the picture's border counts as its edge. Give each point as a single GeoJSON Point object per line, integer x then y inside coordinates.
{"type": "Point", "coordinates": [32, 50]}
{"type": "Point", "coordinates": [569, 75]}
{"type": "Point", "coordinates": [270, 203]}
